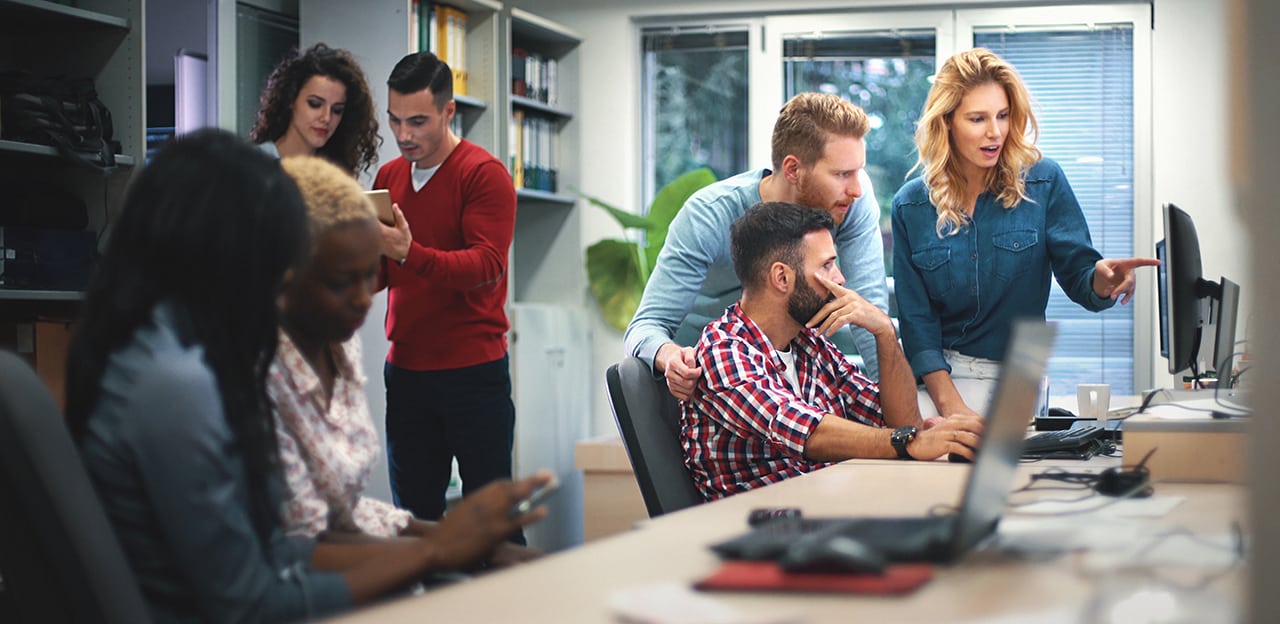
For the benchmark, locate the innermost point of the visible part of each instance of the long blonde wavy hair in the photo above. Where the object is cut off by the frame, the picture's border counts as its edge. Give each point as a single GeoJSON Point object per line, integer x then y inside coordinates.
{"type": "Point", "coordinates": [942, 166]}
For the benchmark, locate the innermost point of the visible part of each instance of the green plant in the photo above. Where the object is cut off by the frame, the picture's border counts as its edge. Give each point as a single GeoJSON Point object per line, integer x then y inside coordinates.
{"type": "Point", "coordinates": [618, 269]}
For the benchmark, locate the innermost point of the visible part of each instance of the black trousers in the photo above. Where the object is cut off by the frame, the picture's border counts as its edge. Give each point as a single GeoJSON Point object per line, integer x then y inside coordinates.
{"type": "Point", "coordinates": [435, 416]}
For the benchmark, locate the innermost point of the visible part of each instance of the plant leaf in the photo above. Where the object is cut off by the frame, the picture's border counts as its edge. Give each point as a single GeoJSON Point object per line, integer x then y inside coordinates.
{"type": "Point", "coordinates": [664, 208]}
{"type": "Point", "coordinates": [613, 270]}
{"type": "Point", "coordinates": [624, 218]}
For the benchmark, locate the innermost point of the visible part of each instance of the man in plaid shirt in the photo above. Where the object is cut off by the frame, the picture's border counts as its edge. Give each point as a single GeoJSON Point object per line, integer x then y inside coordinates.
{"type": "Point", "coordinates": [778, 399]}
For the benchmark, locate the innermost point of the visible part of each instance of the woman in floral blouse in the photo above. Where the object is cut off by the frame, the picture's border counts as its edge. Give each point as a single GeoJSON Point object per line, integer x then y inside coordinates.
{"type": "Point", "coordinates": [328, 444]}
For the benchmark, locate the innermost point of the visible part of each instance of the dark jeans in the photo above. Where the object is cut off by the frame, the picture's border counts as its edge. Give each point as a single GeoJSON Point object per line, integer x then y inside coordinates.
{"type": "Point", "coordinates": [434, 416]}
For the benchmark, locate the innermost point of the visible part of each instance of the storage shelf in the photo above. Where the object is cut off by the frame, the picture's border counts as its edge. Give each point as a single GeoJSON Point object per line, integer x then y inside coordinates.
{"type": "Point", "coordinates": [25, 16]}
{"type": "Point", "coordinates": [524, 194]}
{"type": "Point", "coordinates": [40, 295]}
{"type": "Point", "coordinates": [467, 101]}
{"type": "Point", "coordinates": [520, 101]}
{"type": "Point", "coordinates": [471, 6]}
{"type": "Point", "coordinates": [527, 25]}
{"type": "Point", "coordinates": [18, 147]}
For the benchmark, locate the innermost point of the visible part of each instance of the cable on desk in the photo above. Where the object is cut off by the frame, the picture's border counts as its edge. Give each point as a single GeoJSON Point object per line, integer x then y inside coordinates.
{"type": "Point", "coordinates": [1076, 482]}
{"type": "Point", "coordinates": [1146, 400]}
{"type": "Point", "coordinates": [1151, 570]}
{"type": "Point", "coordinates": [1140, 487]}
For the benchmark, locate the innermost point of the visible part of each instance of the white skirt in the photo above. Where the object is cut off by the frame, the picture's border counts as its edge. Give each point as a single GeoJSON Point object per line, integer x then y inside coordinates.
{"type": "Point", "coordinates": [975, 380]}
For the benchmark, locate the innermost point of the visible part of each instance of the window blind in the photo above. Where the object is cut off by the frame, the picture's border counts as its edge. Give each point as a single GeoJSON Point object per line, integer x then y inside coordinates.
{"type": "Point", "coordinates": [1081, 79]}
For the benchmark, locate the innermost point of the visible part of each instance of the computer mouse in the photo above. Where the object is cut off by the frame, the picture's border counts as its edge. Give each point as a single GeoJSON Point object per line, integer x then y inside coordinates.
{"type": "Point", "coordinates": [957, 458]}
{"type": "Point", "coordinates": [832, 554]}
{"type": "Point", "coordinates": [1061, 412]}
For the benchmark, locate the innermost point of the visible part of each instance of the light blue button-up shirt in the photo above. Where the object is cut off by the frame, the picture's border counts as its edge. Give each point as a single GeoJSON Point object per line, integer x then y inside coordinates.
{"type": "Point", "coordinates": [693, 281]}
{"type": "Point", "coordinates": [169, 473]}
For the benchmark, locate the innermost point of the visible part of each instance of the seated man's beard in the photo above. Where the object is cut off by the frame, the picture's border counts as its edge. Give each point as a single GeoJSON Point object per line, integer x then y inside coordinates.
{"type": "Point", "coordinates": [804, 302]}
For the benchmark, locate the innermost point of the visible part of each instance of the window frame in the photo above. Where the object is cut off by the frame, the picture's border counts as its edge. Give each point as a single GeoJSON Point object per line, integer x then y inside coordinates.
{"type": "Point", "coordinates": [1145, 351]}
{"type": "Point", "coordinates": [647, 115]}
{"type": "Point", "coordinates": [955, 31]}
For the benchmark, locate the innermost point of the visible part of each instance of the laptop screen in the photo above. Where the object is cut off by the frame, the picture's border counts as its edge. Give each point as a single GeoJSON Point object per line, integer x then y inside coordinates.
{"type": "Point", "coordinates": [1016, 393]}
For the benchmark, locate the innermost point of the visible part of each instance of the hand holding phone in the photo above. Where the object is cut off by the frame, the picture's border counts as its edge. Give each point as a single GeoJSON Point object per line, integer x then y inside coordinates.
{"type": "Point", "coordinates": [535, 498]}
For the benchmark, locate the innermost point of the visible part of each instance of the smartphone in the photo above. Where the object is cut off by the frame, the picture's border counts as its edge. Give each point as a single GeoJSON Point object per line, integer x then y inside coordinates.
{"type": "Point", "coordinates": [535, 498]}
{"type": "Point", "coordinates": [381, 199]}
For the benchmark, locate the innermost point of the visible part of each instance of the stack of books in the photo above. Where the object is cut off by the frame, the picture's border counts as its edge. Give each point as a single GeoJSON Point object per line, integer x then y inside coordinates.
{"type": "Point", "coordinates": [442, 30]}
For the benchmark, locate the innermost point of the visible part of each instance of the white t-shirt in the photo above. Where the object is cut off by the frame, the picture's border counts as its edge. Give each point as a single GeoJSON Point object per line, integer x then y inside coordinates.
{"type": "Point", "coordinates": [422, 176]}
{"type": "Point", "coordinates": [788, 358]}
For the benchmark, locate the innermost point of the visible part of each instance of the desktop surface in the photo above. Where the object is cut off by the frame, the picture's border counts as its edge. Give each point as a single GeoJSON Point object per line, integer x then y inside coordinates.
{"type": "Point", "coordinates": [578, 585]}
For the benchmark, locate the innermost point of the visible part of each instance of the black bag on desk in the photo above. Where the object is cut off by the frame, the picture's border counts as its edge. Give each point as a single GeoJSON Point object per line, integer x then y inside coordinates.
{"type": "Point", "coordinates": [64, 113]}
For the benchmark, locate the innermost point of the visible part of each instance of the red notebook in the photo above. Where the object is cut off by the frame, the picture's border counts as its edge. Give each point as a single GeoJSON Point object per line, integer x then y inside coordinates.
{"type": "Point", "coordinates": [768, 576]}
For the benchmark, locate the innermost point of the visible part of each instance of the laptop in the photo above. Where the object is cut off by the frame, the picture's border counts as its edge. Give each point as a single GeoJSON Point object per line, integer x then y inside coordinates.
{"type": "Point", "coordinates": [942, 538]}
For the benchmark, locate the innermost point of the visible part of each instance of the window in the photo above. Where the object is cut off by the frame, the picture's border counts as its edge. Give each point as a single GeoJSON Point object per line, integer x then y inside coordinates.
{"type": "Point", "coordinates": [886, 74]}
{"type": "Point", "coordinates": [1086, 67]}
{"type": "Point", "coordinates": [1081, 79]}
{"type": "Point", "coordinates": [695, 102]}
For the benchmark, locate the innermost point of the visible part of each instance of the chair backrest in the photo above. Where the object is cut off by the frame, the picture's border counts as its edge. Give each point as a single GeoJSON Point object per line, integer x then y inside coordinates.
{"type": "Point", "coordinates": [649, 419]}
{"type": "Point", "coordinates": [60, 559]}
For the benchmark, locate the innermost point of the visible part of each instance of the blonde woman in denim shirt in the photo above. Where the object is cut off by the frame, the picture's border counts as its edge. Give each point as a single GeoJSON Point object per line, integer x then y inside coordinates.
{"type": "Point", "coordinates": [977, 235]}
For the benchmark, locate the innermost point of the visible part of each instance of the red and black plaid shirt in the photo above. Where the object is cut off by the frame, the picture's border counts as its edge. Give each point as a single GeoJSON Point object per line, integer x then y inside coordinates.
{"type": "Point", "coordinates": [746, 426]}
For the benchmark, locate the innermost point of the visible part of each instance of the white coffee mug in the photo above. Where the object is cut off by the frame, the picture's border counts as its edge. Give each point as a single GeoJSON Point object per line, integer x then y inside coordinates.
{"type": "Point", "coordinates": [1093, 401]}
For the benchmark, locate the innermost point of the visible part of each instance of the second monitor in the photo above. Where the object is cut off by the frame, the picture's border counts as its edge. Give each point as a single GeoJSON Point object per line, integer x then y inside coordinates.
{"type": "Point", "coordinates": [1183, 292]}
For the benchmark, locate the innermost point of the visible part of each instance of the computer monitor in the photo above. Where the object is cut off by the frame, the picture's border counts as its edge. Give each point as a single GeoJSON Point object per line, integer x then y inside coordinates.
{"type": "Point", "coordinates": [1181, 289]}
{"type": "Point", "coordinates": [1224, 339]}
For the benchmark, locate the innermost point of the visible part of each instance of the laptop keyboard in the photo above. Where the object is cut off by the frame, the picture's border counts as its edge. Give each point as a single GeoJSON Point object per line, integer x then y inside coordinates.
{"type": "Point", "coordinates": [1062, 440]}
{"type": "Point", "coordinates": [900, 539]}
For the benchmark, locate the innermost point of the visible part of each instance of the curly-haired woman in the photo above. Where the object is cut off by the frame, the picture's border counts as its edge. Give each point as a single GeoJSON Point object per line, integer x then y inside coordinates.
{"type": "Point", "coordinates": [317, 103]}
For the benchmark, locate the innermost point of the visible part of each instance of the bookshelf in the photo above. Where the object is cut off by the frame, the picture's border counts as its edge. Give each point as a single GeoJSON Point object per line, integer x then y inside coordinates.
{"type": "Point", "coordinates": [550, 342]}
{"type": "Point", "coordinates": [547, 281]}
{"type": "Point", "coordinates": [98, 39]}
{"type": "Point", "coordinates": [542, 98]}
{"type": "Point", "coordinates": [546, 262]}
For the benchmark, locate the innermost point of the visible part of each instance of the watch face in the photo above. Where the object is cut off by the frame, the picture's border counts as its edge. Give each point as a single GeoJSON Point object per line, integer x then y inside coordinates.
{"type": "Point", "coordinates": [900, 438]}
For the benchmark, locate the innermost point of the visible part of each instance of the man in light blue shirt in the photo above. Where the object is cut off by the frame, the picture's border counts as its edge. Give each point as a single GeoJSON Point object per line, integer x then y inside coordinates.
{"type": "Point", "coordinates": [819, 158]}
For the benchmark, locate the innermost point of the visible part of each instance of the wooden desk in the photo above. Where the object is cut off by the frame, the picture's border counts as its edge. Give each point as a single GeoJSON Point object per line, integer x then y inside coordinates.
{"type": "Point", "coordinates": [611, 501]}
{"type": "Point", "coordinates": [575, 586]}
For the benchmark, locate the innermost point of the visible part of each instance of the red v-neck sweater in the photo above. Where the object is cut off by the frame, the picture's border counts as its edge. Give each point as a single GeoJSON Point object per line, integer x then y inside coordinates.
{"type": "Point", "coordinates": [445, 304]}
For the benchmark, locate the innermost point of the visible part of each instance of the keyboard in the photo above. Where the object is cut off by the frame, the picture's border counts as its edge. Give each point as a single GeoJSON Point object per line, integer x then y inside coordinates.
{"type": "Point", "coordinates": [1061, 440]}
{"type": "Point", "coordinates": [900, 539]}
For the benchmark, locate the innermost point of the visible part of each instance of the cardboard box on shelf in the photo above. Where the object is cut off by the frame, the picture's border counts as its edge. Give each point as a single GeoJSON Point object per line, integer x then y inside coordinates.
{"type": "Point", "coordinates": [43, 344]}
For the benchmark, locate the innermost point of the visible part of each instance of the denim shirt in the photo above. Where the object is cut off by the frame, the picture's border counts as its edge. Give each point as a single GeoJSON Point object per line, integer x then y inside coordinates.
{"type": "Point", "coordinates": [693, 280]}
{"type": "Point", "coordinates": [962, 291]}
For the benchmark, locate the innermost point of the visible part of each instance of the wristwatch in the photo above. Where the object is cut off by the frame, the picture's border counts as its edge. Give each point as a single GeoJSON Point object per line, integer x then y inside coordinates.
{"type": "Point", "coordinates": [901, 437]}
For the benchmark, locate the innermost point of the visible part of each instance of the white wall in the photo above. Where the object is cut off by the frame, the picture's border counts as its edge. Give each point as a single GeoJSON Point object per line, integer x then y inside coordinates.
{"type": "Point", "coordinates": [1255, 163]}
{"type": "Point", "coordinates": [1188, 122]}
{"type": "Point", "coordinates": [333, 22]}
{"type": "Point", "coordinates": [170, 26]}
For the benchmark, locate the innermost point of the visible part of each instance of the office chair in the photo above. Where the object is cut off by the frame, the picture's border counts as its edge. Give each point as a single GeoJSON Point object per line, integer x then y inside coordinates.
{"type": "Point", "coordinates": [649, 419]}
{"type": "Point", "coordinates": [60, 560]}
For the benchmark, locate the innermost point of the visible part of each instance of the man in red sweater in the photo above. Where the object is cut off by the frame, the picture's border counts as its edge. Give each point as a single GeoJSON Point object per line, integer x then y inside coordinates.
{"type": "Point", "coordinates": [445, 267]}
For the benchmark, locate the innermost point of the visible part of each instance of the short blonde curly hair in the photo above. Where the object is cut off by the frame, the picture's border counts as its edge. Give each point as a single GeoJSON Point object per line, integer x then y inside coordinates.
{"type": "Point", "coordinates": [332, 196]}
